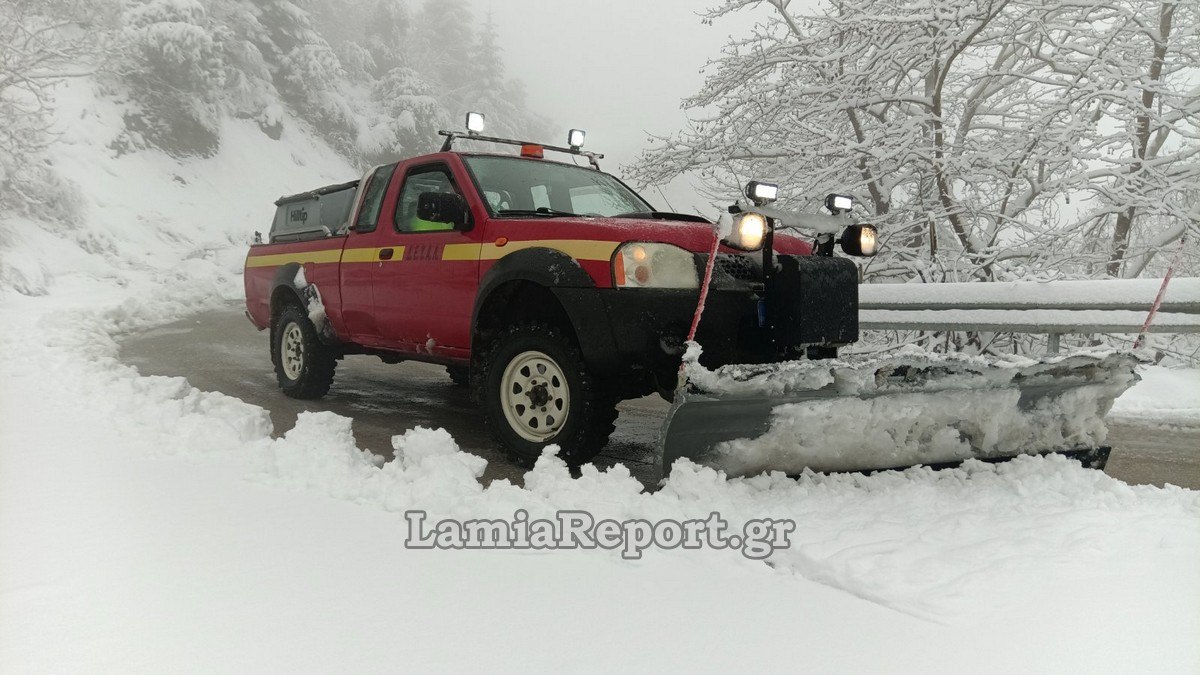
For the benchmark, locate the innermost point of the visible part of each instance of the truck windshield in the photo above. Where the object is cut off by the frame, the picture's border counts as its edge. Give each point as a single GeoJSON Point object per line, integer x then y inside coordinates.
{"type": "Point", "coordinates": [518, 187]}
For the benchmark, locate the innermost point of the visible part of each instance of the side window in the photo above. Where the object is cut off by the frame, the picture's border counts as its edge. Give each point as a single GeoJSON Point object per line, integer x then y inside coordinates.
{"type": "Point", "coordinates": [368, 215]}
{"type": "Point", "coordinates": [422, 179]}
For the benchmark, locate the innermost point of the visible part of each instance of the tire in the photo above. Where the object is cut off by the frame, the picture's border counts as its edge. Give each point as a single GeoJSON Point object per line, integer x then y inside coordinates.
{"type": "Point", "coordinates": [535, 363]}
{"type": "Point", "coordinates": [459, 375]}
{"type": "Point", "coordinates": [304, 366]}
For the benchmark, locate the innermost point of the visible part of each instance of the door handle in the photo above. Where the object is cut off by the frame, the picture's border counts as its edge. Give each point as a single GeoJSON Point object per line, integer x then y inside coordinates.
{"type": "Point", "coordinates": [385, 253]}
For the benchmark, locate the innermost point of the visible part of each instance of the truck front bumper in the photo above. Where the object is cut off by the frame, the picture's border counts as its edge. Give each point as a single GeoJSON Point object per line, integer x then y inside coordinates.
{"type": "Point", "coordinates": [810, 301]}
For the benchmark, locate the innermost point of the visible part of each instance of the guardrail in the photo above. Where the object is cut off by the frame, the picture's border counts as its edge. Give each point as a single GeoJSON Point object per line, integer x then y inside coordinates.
{"type": "Point", "coordinates": [1054, 308]}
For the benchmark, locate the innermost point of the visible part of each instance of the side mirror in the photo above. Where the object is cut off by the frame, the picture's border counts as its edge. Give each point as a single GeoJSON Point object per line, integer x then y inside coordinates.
{"type": "Point", "coordinates": [443, 207]}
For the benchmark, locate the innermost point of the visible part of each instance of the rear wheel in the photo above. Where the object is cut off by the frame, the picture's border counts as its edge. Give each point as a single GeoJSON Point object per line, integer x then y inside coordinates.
{"type": "Point", "coordinates": [537, 391]}
{"type": "Point", "coordinates": [304, 366]}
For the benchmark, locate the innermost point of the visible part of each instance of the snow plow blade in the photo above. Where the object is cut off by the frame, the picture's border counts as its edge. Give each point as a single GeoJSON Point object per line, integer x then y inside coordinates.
{"type": "Point", "coordinates": [888, 413]}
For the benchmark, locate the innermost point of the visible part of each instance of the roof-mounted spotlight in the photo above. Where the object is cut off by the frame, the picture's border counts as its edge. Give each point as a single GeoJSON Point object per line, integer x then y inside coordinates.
{"type": "Point", "coordinates": [838, 204]}
{"type": "Point", "coordinates": [762, 193]}
{"type": "Point", "coordinates": [575, 138]}
{"type": "Point", "coordinates": [474, 122]}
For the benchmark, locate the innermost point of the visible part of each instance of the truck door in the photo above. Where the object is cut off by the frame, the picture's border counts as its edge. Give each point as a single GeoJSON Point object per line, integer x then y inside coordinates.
{"type": "Point", "coordinates": [424, 303]}
{"type": "Point", "coordinates": [364, 251]}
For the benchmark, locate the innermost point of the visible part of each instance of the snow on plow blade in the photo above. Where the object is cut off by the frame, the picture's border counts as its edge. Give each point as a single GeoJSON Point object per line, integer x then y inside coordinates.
{"type": "Point", "coordinates": [869, 414]}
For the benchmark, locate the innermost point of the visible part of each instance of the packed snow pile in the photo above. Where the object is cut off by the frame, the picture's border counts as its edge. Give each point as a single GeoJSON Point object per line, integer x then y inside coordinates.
{"type": "Point", "coordinates": [909, 369]}
{"type": "Point", "coordinates": [923, 408]}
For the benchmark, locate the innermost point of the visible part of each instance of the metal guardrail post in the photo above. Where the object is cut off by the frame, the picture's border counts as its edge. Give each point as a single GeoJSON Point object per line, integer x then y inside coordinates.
{"type": "Point", "coordinates": [1053, 343]}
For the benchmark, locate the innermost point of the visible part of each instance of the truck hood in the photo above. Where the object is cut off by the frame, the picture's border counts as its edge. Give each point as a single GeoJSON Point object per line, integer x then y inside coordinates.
{"type": "Point", "coordinates": [692, 236]}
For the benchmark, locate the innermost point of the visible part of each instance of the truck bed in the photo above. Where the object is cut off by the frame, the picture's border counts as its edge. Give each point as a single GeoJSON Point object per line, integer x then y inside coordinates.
{"type": "Point", "coordinates": [315, 214]}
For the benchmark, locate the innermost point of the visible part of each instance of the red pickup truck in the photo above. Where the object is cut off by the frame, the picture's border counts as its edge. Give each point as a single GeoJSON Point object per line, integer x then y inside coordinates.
{"type": "Point", "coordinates": [552, 289]}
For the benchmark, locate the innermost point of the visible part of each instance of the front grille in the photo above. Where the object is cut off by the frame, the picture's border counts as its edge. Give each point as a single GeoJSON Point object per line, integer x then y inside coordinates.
{"type": "Point", "coordinates": [738, 267]}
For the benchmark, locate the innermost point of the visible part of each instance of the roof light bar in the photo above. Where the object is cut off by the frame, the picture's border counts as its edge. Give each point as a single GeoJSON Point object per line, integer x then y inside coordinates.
{"type": "Point", "coordinates": [761, 192]}
{"type": "Point", "coordinates": [474, 122]}
{"type": "Point", "coordinates": [839, 203]}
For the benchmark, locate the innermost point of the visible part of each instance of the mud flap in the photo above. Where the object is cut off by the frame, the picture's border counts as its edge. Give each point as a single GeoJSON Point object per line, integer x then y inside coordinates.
{"type": "Point", "coordinates": [872, 414]}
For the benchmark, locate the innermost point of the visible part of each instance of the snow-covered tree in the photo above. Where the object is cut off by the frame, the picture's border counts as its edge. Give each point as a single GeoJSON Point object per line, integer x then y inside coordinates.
{"type": "Point", "coordinates": [989, 138]}
{"type": "Point", "coordinates": [175, 68]}
{"type": "Point", "coordinates": [489, 90]}
{"type": "Point", "coordinates": [369, 77]}
{"type": "Point", "coordinates": [387, 35]}
{"type": "Point", "coordinates": [443, 35]}
{"type": "Point", "coordinates": [407, 118]}
{"type": "Point", "coordinates": [41, 43]}
{"type": "Point", "coordinates": [308, 73]}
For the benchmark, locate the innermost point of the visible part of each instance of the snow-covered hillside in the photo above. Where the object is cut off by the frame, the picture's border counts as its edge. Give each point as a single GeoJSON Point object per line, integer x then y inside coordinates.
{"type": "Point", "coordinates": [145, 214]}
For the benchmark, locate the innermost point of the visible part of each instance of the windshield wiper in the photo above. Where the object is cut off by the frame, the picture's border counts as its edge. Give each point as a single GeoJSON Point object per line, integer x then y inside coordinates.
{"type": "Point", "coordinates": [663, 215]}
{"type": "Point", "coordinates": [539, 211]}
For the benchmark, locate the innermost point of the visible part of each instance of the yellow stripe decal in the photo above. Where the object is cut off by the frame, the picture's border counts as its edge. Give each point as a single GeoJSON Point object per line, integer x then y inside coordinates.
{"type": "Point", "coordinates": [580, 249]}
{"type": "Point", "coordinates": [364, 255]}
{"type": "Point", "coordinates": [461, 252]}
{"type": "Point", "coordinates": [328, 255]}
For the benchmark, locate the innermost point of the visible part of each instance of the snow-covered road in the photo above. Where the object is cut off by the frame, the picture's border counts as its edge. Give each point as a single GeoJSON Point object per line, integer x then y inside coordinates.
{"type": "Point", "coordinates": [221, 351]}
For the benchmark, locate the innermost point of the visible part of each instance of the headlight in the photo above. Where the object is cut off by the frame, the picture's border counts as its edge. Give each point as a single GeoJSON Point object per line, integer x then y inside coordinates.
{"type": "Point", "coordinates": [860, 240]}
{"type": "Point", "coordinates": [749, 230]}
{"type": "Point", "coordinates": [644, 265]}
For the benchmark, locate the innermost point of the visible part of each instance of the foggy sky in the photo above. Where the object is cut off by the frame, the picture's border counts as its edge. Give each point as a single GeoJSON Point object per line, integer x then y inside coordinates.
{"type": "Point", "coordinates": [616, 68]}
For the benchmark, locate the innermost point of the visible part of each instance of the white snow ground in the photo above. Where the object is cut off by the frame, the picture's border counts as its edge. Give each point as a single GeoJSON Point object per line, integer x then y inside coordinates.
{"type": "Point", "coordinates": [147, 526]}
{"type": "Point", "coordinates": [1166, 397]}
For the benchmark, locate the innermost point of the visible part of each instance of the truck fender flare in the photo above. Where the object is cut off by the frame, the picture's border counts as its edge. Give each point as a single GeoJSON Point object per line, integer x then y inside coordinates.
{"type": "Point", "coordinates": [556, 271]}
{"type": "Point", "coordinates": [285, 282]}
{"type": "Point", "coordinates": [283, 286]}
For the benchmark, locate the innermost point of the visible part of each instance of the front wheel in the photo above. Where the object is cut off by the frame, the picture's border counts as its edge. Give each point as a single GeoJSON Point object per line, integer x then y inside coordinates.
{"type": "Point", "coordinates": [304, 366]}
{"type": "Point", "coordinates": [537, 391]}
